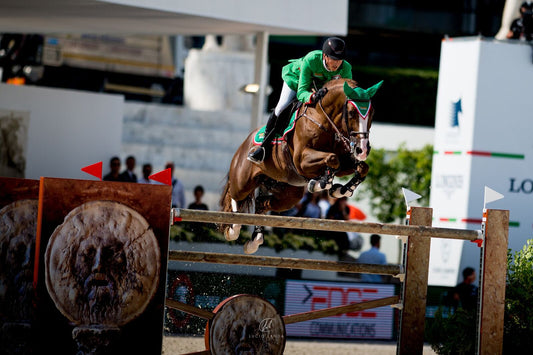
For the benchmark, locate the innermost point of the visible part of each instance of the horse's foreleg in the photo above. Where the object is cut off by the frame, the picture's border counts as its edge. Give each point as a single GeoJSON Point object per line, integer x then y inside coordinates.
{"type": "Point", "coordinates": [324, 182]}
{"type": "Point", "coordinates": [348, 189]}
{"type": "Point", "coordinates": [317, 163]}
{"type": "Point", "coordinates": [232, 233]}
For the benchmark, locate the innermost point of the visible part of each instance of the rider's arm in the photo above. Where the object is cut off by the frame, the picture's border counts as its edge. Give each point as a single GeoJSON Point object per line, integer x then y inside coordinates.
{"type": "Point", "coordinates": [305, 82]}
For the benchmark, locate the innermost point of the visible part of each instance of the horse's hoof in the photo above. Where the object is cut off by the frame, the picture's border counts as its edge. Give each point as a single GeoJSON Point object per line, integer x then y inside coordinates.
{"type": "Point", "coordinates": [251, 246]}
{"type": "Point", "coordinates": [335, 191]}
{"type": "Point", "coordinates": [326, 185]}
{"type": "Point", "coordinates": [232, 233]}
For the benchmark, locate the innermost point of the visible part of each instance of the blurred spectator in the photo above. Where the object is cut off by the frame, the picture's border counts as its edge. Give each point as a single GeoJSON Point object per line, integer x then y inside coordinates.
{"type": "Point", "coordinates": [373, 256]}
{"type": "Point", "coordinates": [323, 203]}
{"type": "Point", "coordinates": [178, 191]}
{"type": "Point", "coordinates": [198, 195]}
{"type": "Point", "coordinates": [147, 171]}
{"type": "Point", "coordinates": [114, 166]}
{"type": "Point", "coordinates": [356, 241]}
{"type": "Point", "coordinates": [308, 206]}
{"type": "Point", "coordinates": [465, 294]}
{"type": "Point", "coordinates": [340, 211]}
{"type": "Point", "coordinates": [128, 175]}
{"type": "Point", "coordinates": [522, 27]}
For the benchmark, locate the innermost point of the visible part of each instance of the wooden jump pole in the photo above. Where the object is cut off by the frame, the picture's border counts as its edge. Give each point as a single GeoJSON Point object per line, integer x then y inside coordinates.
{"type": "Point", "coordinates": [494, 237]}
{"type": "Point", "coordinates": [334, 311]}
{"type": "Point", "coordinates": [187, 308]}
{"type": "Point", "coordinates": [298, 317]}
{"type": "Point", "coordinates": [284, 263]}
{"type": "Point", "coordinates": [186, 215]}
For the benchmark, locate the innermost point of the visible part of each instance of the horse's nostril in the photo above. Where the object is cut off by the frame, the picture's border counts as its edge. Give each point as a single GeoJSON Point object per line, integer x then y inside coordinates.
{"type": "Point", "coordinates": [358, 150]}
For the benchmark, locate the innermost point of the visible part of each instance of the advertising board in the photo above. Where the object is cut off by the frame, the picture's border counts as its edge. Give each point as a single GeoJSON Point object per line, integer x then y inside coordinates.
{"type": "Point", "coordinates": [304, 296]}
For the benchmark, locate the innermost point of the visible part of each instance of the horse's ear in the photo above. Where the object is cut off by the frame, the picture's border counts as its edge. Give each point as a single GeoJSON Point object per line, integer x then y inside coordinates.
{"type": "Point", "coordinates": [373, 89]}
{"type": "Point", "coordinates": [355, 93]}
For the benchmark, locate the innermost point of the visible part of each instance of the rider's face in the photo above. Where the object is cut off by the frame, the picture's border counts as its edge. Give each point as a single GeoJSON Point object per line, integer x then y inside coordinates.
{"type": "Point", "coordinates": [332, 64]}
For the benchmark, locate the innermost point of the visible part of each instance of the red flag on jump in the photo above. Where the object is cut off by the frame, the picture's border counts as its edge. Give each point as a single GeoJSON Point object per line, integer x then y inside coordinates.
{"type": "Point", "coordinates": [94, 170]}
{"type": "Point", "coordinates": [164, 177]}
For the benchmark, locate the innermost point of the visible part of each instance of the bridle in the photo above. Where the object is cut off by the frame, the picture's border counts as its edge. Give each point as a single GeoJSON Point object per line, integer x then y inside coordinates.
{"type": "Point", "coordinates": [349, 144]}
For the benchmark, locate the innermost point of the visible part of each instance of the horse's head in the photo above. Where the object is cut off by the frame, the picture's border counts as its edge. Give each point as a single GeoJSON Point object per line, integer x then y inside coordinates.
{"type": "Point", "coordinates": [352, 110]}
{"type": "Point", "coordinates": [359, 112]}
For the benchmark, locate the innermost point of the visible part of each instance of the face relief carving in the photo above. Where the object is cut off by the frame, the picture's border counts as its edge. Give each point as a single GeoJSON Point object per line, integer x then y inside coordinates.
{"type": "Point", "coordinates": [102, 264]}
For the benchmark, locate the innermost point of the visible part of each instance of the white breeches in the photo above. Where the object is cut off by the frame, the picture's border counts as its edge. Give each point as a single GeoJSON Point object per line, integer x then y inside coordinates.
{"type": "Point", "coordinates": [285, 98]}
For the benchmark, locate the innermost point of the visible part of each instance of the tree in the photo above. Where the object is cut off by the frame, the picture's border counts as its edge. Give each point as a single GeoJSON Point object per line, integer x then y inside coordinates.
{"type": "Point", "coordinates": [388, 173]}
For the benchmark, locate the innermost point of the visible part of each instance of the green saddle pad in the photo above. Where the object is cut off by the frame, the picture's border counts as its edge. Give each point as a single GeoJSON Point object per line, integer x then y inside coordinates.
{"type": "Point", "coordinates": [279, 137]}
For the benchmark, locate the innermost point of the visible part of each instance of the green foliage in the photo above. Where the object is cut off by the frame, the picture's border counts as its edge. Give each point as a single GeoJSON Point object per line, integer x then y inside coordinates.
{"type": "Point", "coordinates": [408, 96]}
{"type": "Point", "coordinates": [518, 328]}
{"type": "Point", "coordinates": [388, 173]}
{"type": "Point", "coordinates": [452, 335]}
{"type": "Point", "coordinates": [457, 334]}
{"type": "Point", "coordinates": [197, 232]}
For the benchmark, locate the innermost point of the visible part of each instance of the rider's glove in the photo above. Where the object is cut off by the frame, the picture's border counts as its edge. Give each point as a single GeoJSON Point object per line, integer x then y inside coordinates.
{"type": "Point", "coordinates": [317, 96]}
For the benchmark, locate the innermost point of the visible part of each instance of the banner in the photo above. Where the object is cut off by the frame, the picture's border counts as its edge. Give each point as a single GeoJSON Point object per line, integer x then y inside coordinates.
{"type": "Point", "coordinates": [305, 296]}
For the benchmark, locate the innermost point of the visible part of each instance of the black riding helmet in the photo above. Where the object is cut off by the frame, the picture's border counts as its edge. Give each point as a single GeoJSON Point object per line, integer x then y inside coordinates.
{"type": "Point", "coordinates": [334, 48]}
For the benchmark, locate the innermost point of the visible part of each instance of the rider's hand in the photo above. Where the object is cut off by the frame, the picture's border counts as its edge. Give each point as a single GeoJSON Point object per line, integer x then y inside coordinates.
{"type": "Point", "coordinates": [317, 96]}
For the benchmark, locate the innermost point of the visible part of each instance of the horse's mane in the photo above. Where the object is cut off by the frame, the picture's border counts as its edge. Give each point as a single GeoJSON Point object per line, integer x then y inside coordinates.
{"type": "Point", "coordinates": [339, 84]}
{"type": "Point", "coordinates": [336, 89]}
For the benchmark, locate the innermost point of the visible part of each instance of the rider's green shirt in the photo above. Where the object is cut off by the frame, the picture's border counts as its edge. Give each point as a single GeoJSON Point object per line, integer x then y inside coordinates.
{"type": "Point", "coordinates": [300, 74]}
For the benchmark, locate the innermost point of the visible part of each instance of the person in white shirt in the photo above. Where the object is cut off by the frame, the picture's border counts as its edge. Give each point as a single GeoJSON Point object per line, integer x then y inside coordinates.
{"type": "Point", "coordinates": [373, 256]}
{"type": "Point", "coordinates": [147, 171]}
{"type": "Point", "coordinates": [178, 190]}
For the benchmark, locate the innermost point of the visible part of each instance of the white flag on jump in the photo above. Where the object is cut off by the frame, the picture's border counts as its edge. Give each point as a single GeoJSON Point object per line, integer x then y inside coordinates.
{"type": "Point", "coordinates": [409, 195]}
{"type": "Point", "coordinates": [491, 195]}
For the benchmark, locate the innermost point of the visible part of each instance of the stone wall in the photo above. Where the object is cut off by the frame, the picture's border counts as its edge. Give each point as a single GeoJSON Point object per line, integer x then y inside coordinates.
{"type": "Point", "coordinates": [200, 143]}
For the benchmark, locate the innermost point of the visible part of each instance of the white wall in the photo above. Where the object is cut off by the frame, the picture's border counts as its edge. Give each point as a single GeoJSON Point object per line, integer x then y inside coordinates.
{"type": "Point", "coordinates": [68, 129]}
{"type": "Point", "coordinates": [489, 145]}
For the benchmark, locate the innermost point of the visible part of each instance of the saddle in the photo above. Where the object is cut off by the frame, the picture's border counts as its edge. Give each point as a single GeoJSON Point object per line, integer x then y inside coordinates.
{"type": "Point", "coordinates": [284, 124]}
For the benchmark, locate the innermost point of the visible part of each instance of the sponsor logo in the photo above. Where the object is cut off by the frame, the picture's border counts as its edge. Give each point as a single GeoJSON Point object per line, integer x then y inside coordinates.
{"type": "Point", "coordinates": [456, 108]}
{"type": "Point", "coordinates": [449, 184]}
{"type": "Point", "coordinates": [521, 186]}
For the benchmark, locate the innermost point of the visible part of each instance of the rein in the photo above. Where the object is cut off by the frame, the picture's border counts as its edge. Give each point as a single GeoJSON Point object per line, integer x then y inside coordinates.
{"type": "Point", "coordinates": [349, 146]}
{"type": "Point", "coordinates": [338, 134]}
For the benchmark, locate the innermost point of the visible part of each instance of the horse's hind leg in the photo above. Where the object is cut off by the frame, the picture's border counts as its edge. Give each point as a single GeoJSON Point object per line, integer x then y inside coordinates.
{"type": "Point", "coordinates": [232, 232]}
{"type": "Point", "coordinates": [281, 198]}
{"type": "Point", "coordinates": [251, 246]}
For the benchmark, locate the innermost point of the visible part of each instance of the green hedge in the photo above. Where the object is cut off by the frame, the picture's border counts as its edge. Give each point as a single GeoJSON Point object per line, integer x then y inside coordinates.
{"type": "Point", "coordinates": [311, 241]}
{"type": "Point", "coordinates": [408, 96]}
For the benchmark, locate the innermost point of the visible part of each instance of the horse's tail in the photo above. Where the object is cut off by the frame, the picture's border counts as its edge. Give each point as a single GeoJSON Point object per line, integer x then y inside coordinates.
{"type": "Point", "coordinates": [225, 198]}
{"type": "Point", "coordinates": [225, 201]}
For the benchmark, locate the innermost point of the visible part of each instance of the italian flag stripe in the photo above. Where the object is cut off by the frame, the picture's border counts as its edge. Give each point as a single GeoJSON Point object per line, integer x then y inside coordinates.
{"type": "Point", "coordinates": [480, 153]}
{"type": "Point", "coordinates": [473, 220]}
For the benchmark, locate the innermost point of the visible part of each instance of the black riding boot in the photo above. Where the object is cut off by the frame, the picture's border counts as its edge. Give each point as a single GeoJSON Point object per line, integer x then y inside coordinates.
{"type": "Point", "coordinates": [258, 155]}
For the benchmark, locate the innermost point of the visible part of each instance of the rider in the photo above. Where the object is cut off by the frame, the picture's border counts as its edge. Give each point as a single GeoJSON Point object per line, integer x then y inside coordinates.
{"type": "Point", "coordinates": [300, 77]}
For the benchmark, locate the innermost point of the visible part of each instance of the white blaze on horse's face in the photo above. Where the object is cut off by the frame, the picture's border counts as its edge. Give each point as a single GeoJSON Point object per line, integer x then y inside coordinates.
{"type": "Point", "coordinates": [360, 138]}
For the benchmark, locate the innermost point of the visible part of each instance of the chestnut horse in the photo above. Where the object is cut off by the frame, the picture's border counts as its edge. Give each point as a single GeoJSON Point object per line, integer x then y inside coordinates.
{"type": "Point", "coordinates": [330, 138]}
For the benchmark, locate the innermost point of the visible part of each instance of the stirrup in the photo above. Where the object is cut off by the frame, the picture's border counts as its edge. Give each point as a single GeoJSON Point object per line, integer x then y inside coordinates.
{"type": "Point", "coordinates": [257, 156]}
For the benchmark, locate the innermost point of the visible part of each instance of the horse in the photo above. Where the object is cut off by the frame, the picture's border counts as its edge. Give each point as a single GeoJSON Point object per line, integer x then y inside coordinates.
{"type": "Point", "coordinates": [329, 138]}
